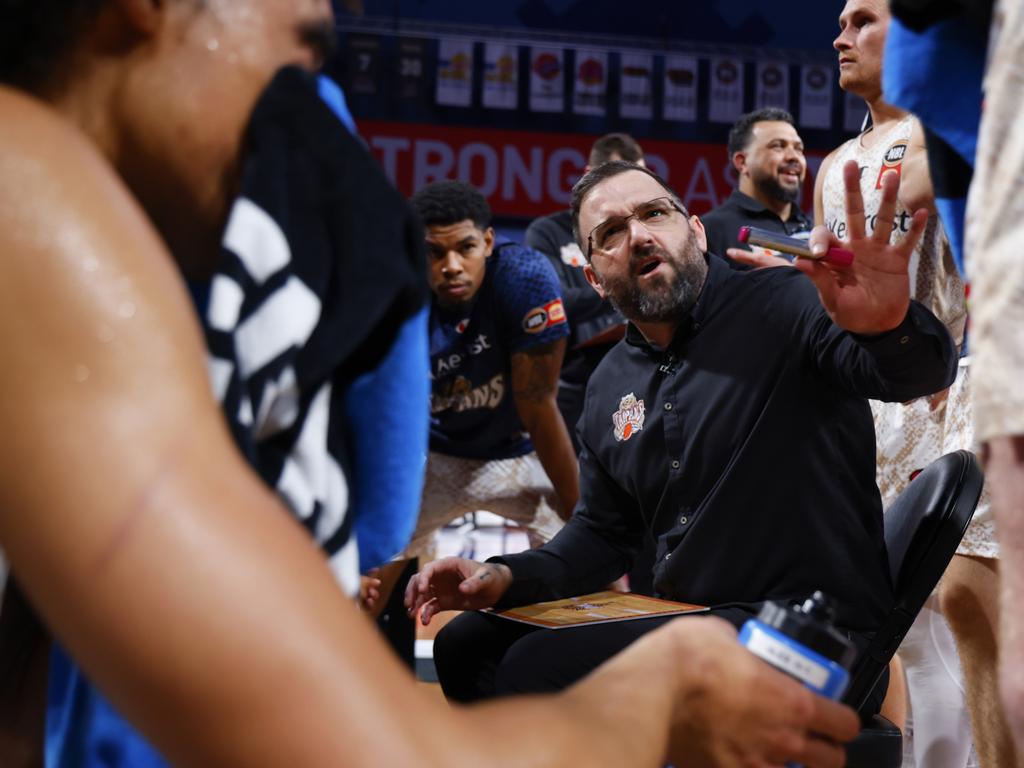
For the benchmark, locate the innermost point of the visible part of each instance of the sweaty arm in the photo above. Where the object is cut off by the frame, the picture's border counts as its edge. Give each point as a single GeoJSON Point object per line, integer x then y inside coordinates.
{"type": "Point", "coordinates": [819, 187]}
{"type": "Point", "coordinates": [534, 388]}
{"type": "Point", "coordinates": [916, 189]}
{"type": "Point", "coordinates": [170, 572]}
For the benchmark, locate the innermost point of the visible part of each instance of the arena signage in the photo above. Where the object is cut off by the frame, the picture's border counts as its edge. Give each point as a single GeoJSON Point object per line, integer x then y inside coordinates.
{"type": "Point", "coordinates": [527, 174]}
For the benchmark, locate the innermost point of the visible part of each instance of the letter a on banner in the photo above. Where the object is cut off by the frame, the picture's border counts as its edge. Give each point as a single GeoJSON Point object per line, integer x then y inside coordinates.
{"type": "Point", "coordinates": [455, 73]}
{"type": "Point", "coordinates": [635, 99]}
{"type": "Point", "coordinates": [547, 84]}
{"type": "Point", "coordinates": [726, 103]}
{"type": "Point", "coordinates": [501, 76]}
{"type": "Point", "coordinates": [591, 85]}
{"type": "Point", "coordinates": [815, 96]}
{"type": "Point", "coordinates": [772, 85]}
{"type": "Point", "coordinates": [680, 88]}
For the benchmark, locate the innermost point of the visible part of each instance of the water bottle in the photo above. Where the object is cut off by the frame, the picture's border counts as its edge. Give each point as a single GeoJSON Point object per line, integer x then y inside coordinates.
{"type": "Point", "coordinates": [802, 641]}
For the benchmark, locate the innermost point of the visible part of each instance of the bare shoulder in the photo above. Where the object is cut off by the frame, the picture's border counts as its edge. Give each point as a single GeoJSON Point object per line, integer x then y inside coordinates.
{"type": "Point", "coordinates": [97, 325]}
{"type": "Point", "coordinates": [77, 246]}
{"type": "Point", "coordinates": [61, 197]}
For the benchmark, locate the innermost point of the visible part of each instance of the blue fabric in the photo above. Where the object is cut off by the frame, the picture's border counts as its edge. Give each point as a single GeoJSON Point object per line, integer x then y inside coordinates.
{"type": "Point", "coordinates": [386, 410]}
{"type": "Point", "coordinates": [334, 97]}
{"type": "Point", "coordinates": [387, 413]}
{"type": "Point", "coordinates": [519, 305]}
{"type": "Point", "coordinates": [937, 74]}
{"type": "Point", "coordinates": [83, 730]}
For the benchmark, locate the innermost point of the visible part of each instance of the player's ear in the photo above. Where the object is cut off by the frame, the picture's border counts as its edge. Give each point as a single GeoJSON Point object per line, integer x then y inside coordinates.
{"type": "Point", "coordinates": [144, 16]}
{"type": "Point", "coordinates": [488, 242]}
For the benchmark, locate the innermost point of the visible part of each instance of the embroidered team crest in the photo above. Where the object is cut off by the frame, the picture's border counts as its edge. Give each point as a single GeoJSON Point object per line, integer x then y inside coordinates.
{"type": "Point", "coordinates": [892, 161]}
{"type": "Point", "coordinates": [572, 255]}
{"type": "Point", "coordinates": [629, 418]}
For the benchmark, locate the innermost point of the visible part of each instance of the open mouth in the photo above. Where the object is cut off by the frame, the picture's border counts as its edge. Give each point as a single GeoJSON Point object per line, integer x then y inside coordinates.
{"type": "Point", "coordinates": [790, 175]}
{"type": "Point", "coordinates": [647, 266]}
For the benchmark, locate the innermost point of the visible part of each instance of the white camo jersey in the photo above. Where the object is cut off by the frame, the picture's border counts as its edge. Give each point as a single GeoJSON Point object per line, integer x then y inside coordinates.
{"type": "Point", "coordinates": [911, 435]}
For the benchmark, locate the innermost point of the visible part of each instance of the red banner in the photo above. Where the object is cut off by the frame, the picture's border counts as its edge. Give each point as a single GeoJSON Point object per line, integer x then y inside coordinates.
{"type": "Point", "coordinates": [528, 174]}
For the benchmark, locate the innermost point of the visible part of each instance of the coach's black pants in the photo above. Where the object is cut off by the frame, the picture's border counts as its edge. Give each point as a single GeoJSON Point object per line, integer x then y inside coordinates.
{"type": "Point", "coordinates": [481, 656]}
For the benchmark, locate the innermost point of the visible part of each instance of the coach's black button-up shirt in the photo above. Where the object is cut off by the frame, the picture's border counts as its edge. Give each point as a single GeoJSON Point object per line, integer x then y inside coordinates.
{"type": "Point", "coordinates": [747, 449]}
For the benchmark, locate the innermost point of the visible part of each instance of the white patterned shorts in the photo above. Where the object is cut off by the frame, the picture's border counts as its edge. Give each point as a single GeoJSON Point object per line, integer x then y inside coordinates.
{"type": "Point", "coordinates": [912, 435]}
{"type": "Point", "coordinates": [517, 489]}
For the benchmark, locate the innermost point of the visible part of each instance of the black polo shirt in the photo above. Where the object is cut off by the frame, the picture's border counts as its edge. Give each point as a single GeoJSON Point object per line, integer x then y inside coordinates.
{"type": "Point", "coordinates": [747, 449]}
{"type": "Point", "coordinates": [723, 222]}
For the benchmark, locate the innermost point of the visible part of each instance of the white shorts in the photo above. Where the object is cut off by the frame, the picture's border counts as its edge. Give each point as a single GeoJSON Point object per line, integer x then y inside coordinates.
{"type": "Point", "coordinates": [912, 435]}
{"type": "Point", "coordinates": [517, 489]}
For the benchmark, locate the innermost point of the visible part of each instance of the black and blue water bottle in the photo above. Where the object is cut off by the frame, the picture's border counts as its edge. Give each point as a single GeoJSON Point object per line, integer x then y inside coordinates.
{"type": "Point", "coordinates": [802, 641]}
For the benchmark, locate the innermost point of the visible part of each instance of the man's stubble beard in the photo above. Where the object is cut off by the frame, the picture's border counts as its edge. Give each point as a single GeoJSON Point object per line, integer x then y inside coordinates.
{"type": "Point", "coordinates": [771, 186]}
{"type": "Point", "coordinates": [669, 299]}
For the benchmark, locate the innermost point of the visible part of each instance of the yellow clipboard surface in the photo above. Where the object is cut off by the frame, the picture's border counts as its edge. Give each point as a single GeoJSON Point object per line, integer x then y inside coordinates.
{"type": "Point", "coordinates": [596, 608]}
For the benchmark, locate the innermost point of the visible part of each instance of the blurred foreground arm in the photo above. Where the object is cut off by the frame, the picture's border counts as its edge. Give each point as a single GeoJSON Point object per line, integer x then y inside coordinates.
{"type": "Point", "coordinates": [185, 589]}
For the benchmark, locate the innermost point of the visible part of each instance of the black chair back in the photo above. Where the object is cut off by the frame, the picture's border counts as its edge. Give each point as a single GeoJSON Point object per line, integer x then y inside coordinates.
{"type": "Point", "coordinates": [923, 528]}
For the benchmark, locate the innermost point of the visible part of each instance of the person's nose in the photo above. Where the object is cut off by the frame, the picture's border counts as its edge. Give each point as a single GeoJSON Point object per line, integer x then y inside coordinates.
{"type": "Point", "coordinates": [638, 231]}
{"type": "Point", "coordinates": [843, 42]}
{"type": "Point", "coordinates": [452, 265]}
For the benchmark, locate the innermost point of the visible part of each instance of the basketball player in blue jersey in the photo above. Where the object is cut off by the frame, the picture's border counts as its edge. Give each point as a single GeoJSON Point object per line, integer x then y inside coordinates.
{"type": "Point", "coordinates": [497, 336]}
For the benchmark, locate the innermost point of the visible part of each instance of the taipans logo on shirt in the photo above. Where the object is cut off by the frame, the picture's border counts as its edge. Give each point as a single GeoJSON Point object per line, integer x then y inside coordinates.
{"type": "Point", "coordinates": [629, 418]}
{"type": "Point", "coordinates": [892, 161]}
{"type": "Point", "coordinates": [540, 318]}
{"type": "Point", "coordinates": [572, 255]}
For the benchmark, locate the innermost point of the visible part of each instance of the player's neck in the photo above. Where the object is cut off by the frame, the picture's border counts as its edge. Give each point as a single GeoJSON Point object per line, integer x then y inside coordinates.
{"type": "Point", "coordinates": [883, 117]}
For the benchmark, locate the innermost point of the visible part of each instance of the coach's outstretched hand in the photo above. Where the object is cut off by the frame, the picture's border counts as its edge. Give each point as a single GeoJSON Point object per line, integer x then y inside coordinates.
{"type": "Point", "coordinates": [872, 294]}
{"type": "Point", "coordinates": [455, 583]}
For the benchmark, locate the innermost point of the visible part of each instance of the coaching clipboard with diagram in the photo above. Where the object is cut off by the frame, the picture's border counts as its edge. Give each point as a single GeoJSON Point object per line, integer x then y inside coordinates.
{"type": "Point", "coordinates": [596, 608]}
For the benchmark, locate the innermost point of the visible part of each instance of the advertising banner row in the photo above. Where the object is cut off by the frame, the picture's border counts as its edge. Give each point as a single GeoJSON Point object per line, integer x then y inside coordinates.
{"type": "Point", "coordinates": [642, 84]}
{"type": "Point", "coordinates": [526, 174]}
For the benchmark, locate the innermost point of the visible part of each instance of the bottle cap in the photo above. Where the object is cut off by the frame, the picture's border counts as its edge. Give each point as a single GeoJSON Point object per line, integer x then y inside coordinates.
{"type": "Point", "coordinates": [811, 625]}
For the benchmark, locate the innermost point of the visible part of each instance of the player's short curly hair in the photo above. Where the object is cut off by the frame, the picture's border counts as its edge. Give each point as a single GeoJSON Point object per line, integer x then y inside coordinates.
{"type": "Point", "coordinates": [36, 35]}
{"type": "Point", "coordinates": [449, 202]}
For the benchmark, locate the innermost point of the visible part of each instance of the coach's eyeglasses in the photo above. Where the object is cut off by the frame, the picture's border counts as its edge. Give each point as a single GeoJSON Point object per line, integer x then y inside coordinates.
{"type": "Point", "coordinates": [609, 236]}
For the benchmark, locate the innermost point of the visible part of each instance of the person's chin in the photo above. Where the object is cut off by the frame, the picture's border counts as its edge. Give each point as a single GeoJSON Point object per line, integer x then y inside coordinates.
{"type": "Point", "coordinates": [449, 302]}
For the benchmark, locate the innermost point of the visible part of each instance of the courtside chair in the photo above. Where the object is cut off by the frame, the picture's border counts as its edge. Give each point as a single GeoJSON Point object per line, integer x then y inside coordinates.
{"type": "Point", "coordinates": [923, 528]}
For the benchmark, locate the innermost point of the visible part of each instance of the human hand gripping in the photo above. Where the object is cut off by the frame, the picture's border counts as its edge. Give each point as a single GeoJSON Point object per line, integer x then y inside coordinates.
{"type": "Point", "coordinates": [455, 583]}
{"type": "Point", "coordinates": [743, 256]}
{"type": "Point", "coordinates": [872, 294]}
{"type": "Point", "coordinates": [735, 710]}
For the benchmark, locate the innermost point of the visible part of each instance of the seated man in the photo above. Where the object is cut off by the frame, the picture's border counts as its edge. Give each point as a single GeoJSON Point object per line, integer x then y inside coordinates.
{"type": "Point", "coordinates": [593, 321]}
{"type": "Point", "coordinates": [497, 336]}
{"type": "Point", "coordinates": [732, 423]}
{"type": "Point", "coordinates": [767, 155]}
